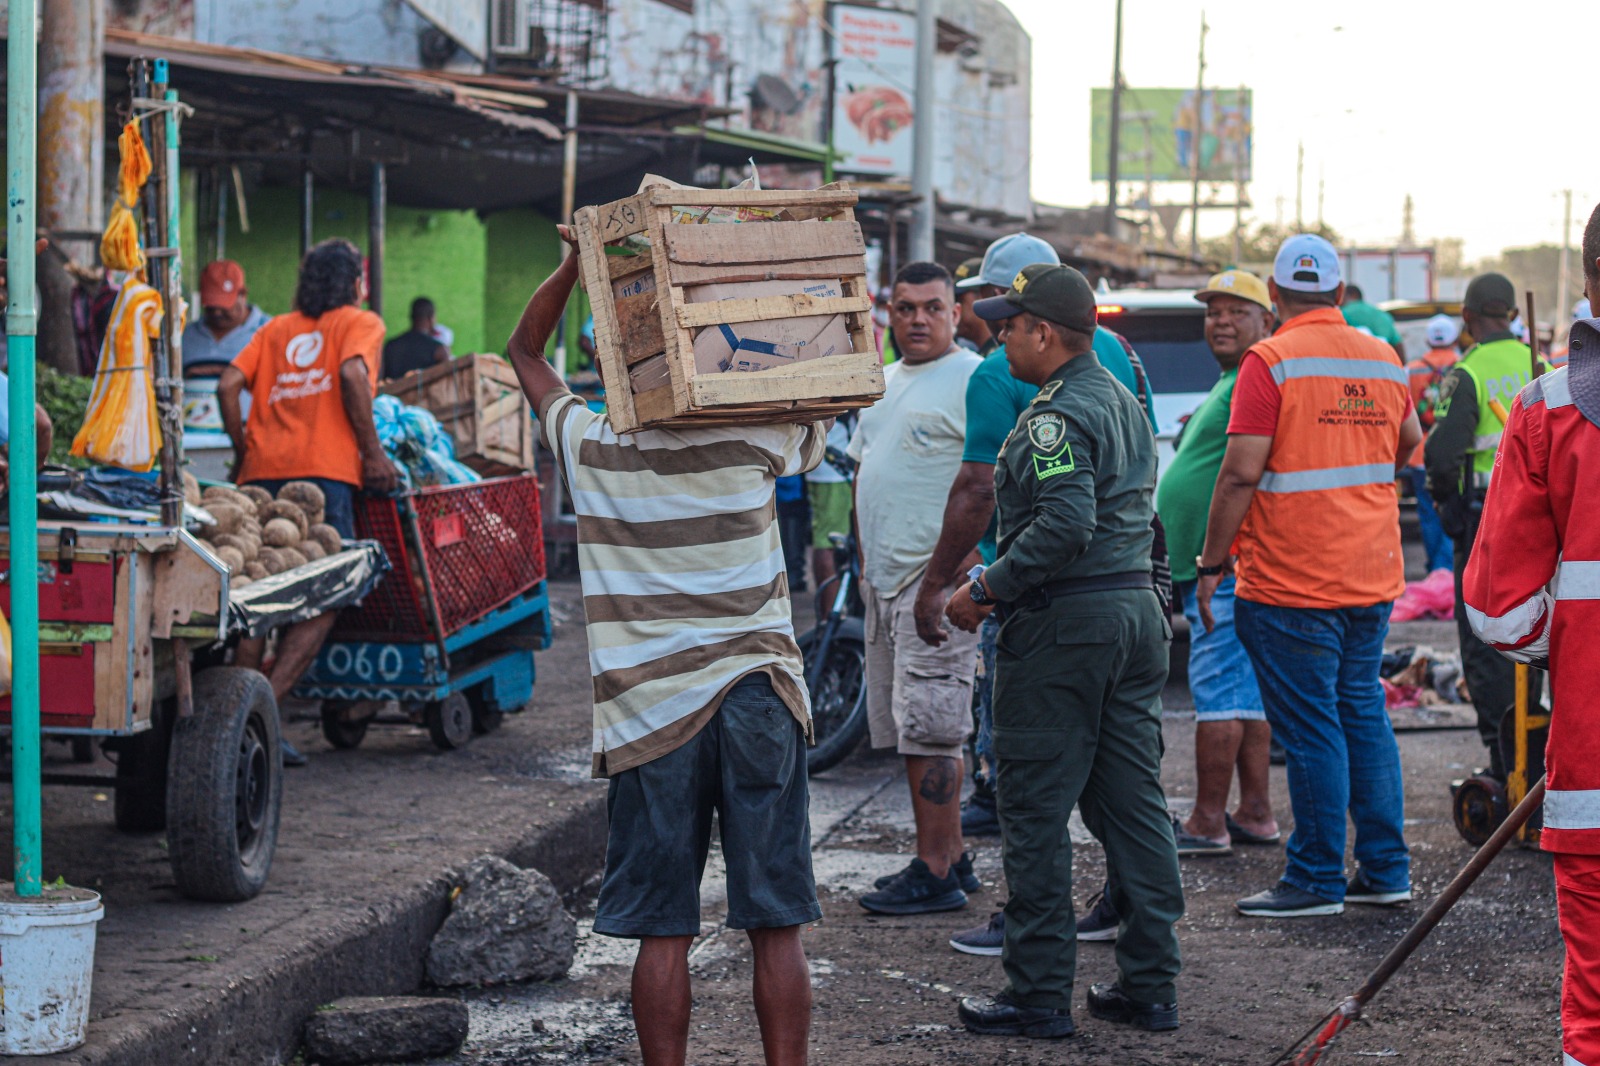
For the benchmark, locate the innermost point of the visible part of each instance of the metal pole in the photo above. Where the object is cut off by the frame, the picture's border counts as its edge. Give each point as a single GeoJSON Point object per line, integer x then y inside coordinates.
{"type": "Point", "coordinates": [1299, 188]}
{"type": "Point", "coordinates": [923, 135]}
{"type": "Point", "coordinates": [22, 325]}
{"type": "Point", "coordinates": [71, 116]}
{"type": "Point", "coordinates": [221, 193]}
{"type": "Point", "coordinates": [308, 205]}
{"type": "Point", "coordinates": [569, 206]}
{"type": "Point", "coordinates": [172, 413]}
{"type": "Point", "coordinates": [1238, 178]}
{"type": "Point", "coordinates": [1199, 139]}
{"type": "Point", "coordinates": [1113, 164]}
{"type": "Point", "coordinates": [832, 63]}
{"type": "Point", "coordinates": [1564, 278]}
{"type": "Point", "coordinates": [376, 209]}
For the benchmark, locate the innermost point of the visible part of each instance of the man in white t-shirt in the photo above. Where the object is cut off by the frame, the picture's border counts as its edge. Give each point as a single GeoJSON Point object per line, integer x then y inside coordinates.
{"type": "Point", "coordinates": [919, 698]}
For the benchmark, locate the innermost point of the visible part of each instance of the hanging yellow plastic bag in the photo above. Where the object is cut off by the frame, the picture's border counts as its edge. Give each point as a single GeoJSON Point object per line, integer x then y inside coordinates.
{"type": "Point", "coordinates": [121, 427]}
{"type": "Point", "coordinates": [135, 169]}
{"type": "Point", "coordinates": [119, 246]}
{"type": "Point", "coordinates": [5, 656]}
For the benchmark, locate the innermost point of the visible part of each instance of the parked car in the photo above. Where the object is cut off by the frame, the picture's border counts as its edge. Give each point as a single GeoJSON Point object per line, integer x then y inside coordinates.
{"type": "Point", "coordinates": [1167, 328]}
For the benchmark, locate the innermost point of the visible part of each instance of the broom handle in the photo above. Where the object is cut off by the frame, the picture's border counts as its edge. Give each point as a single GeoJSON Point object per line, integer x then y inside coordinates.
{"type": "Point", "coordinates": [1452, 893]}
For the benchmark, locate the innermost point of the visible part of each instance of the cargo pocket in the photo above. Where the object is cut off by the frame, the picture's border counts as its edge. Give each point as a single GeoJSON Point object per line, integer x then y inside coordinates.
{"type": "Point", "coordinates": [935, 709]}
{"type": "Point", "coordinates": [1029, 744]}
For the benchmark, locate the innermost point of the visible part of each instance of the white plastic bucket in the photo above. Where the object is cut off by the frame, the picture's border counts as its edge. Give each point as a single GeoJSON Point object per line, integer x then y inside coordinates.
{"type": "Point", "coordinates": [46, 967]}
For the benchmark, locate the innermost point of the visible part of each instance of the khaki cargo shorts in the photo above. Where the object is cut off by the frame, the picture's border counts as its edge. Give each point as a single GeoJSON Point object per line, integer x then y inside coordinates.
{"type": "Point", "coordinates": [919, 698]}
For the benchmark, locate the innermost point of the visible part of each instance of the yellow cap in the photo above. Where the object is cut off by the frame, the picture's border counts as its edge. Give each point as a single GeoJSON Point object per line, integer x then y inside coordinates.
{"type": "Point", "coordinates": [1240, 283]}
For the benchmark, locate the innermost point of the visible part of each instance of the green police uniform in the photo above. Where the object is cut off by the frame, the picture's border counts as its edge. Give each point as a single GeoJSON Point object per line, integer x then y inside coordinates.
{"type": "Point", "coordinates": [1082, 658]}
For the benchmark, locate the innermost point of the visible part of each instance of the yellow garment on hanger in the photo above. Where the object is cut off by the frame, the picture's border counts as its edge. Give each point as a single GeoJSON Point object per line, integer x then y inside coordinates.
{"type": "Point", "coordinates": [122, 427]}
{"type": "Point", "coordinates": [119, 246]}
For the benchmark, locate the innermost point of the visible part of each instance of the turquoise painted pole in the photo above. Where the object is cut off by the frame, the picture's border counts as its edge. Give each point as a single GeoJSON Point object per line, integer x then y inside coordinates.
{"type": "Point", "coordinates": [22, 328]}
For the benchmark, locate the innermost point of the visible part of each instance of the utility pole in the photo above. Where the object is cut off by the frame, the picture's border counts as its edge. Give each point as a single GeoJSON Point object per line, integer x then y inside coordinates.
{"type": "Point", "coordinates": [1299, 189]}
{"type": "Point", "coordinates": [1564, 276]}
{"type": "Point", "coordinates": [922, 132]}
{"type": "Point", "coordinates": [1238, 176]}
{"type": "Point", "coordinates": [71, 157]}
{"type": "Point", "coordinates": [1322, 188]}
{"type": "Point", "coordinates": [1199, 139]}
{"type": "Point", "coordinates": [1113, 165]}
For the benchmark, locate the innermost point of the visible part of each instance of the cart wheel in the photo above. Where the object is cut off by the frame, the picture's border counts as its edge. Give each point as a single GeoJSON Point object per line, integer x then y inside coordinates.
{"type": "Point", "coordinates": [337, 726]}
{"type": "Point", "coordinates": [140, 804]}
{"type": "Point", "coordinates": [1479, 805]}
{"type": "Point", "coordinates": [486, 716]}
{"type": "Point", "coordinates": [225, 787]}
{"type": "Point", "coordinates": [449, 721]}
{"type": "Point", "coordinates": [83, 749]}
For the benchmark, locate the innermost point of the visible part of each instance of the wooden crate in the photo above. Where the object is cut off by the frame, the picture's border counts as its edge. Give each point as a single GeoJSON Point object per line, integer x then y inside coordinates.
{"type": "Point", "coordinates": [642, 311]}
{"type": "Point", "coordinates": [478, 399]}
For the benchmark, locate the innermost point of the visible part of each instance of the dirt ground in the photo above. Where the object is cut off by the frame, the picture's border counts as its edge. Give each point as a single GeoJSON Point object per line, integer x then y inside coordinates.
{"type": "Point", "coordinates": [1484, 989]}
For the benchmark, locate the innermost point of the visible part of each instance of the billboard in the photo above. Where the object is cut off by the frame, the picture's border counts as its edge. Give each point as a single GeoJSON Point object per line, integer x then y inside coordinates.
{"type": "Point", "coordinates": [875, 69]}
{"type": "Point", "coordinates": [1162, 129]}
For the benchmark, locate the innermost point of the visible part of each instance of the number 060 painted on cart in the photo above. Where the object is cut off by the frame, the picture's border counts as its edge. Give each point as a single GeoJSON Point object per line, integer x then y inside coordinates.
{"type": "Point", "coordinates": [357, 660]}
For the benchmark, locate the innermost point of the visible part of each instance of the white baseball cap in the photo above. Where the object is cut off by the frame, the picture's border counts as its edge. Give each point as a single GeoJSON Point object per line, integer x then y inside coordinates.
{"type": "Point", "coordinates": [1442, 331]}
{"type": "Point", "coordinates": [1519, 329]}
{"type": "Point", "coordinates": [1307, 263]}
{"type": "Point", "coordinates": [1006, 258]}
{"type": "Point", "coordinates": [1581, 310]}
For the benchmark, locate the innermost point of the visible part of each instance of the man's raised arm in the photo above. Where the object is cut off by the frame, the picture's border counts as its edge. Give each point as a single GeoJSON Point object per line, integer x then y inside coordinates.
{"type": "Point", "coordinates": [539, 321]}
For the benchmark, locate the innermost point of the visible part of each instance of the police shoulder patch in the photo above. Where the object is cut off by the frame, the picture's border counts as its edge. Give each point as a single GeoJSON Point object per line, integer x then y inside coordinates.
{"type": "Point", "coordinates": [1046, 431]}
{"type": "Point", "coordinates": [1048, 392]}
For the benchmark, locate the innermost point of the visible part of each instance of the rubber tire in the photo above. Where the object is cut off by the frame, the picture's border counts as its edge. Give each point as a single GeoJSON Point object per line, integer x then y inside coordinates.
{"type": "Point", "coordinates": [836, 736]}
{"type": "Point", "coordinates": [1478, 807]}
{"type": "Point", "coordinates": [486, 718]}
{"type": "Point", "coordinates": [233, 731]}
{"type": "Point", "coordinates": [449, 721]}
{"type": "Point", "coordinates": [140, 806]}
{"type": "Point", "coordinates": [336, 731]}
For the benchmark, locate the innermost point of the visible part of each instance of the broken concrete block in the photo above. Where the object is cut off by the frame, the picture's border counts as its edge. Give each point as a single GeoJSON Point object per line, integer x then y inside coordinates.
{"type": "Point", "coordinates": [507, 924]}
{"type": "Point", "coordinates": [367, 1029]}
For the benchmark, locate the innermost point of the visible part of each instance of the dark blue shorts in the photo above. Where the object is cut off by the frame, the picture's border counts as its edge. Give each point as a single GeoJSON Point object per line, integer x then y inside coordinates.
{"type": "Point", "coordinates": [339, 510]}
{"type": "Point", "coordinates": [748, 765]}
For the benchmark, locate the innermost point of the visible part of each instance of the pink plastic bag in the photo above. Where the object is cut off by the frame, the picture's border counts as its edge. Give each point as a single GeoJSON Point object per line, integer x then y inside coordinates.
{"type": "Point", "coordinates": [1432, 597]}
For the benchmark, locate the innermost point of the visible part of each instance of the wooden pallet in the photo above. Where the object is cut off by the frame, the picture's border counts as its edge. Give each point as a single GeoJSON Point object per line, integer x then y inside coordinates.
{"type": "Point", "coordinates": [642, 310]}
{"type": "Point", "coordinates": [479, 401]}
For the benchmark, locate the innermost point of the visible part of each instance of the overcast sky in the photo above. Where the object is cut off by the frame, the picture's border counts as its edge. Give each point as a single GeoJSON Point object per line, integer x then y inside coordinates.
{"type": "Point", "coordinates": [1479, 120]}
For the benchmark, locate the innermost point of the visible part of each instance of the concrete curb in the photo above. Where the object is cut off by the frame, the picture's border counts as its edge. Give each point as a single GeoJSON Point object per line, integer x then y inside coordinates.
{"type": "Point", "coordinates": [257, 1017]}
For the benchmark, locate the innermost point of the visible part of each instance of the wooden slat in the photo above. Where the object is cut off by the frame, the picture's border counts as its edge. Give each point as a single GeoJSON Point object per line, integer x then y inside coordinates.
{"type": "Point", "coordinates": [837, 375]}
{"type": "Point", "coordinates": [639, 327]}
{"type": "Point", "coordinates": [840, 194]}
{"type": "Point", "coordinates": [679, 342]}
{"type": "Point", "coordinates": [622, 266]}
{"type": "Point", "coordinates": [653, 406]}
{"type": "Point", "coordinates": [608, 350]}
{"type": "Point", "coordinates": [623, 218]}
{"type": "Point", "coordinates": [765, 242]}
{"type": "Point", "coordinates": [800, 270]}
{"type": "Point", "coordinates": [767, 308]}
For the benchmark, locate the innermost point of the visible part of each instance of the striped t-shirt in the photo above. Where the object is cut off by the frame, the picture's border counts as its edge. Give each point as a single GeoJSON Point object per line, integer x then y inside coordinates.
{"type": "Point", "coordinates": [684, 586]}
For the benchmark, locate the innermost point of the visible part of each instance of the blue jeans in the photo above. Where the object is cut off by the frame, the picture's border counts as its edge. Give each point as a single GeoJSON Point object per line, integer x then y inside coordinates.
{"type": "Point", "coordinates": [1319, 679]}
{"type": "Point", "coordinates": [983, 740]}
{"type": "Point", "coordinates": [1440, 549]}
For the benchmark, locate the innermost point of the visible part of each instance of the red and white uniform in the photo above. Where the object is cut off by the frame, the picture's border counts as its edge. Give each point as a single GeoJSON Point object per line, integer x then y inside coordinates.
{"type": "Point", "coordinates": [1532, 591]}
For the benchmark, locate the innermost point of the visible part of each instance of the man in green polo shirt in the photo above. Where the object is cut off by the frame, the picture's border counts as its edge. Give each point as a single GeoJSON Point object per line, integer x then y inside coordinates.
{"type": "Point", "coordinates": [1369, 319]}
{"type": "Point", "coordinates": [1231, 727]}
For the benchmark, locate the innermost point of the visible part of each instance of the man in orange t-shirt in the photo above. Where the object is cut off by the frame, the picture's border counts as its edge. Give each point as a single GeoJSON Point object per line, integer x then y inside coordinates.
{"type": "Point", "coordinates": [311, 375]}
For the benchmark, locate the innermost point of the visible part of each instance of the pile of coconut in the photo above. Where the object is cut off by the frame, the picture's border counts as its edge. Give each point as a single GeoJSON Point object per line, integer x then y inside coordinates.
{"type": "Point", "coordinates": [257, 535]}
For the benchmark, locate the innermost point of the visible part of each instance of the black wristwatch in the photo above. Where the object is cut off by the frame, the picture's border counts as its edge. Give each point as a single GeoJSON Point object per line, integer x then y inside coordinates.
{"type": "Point", "coordinates": [1203, 570]}
{"type": "Point", "coordinates": [979, 596]}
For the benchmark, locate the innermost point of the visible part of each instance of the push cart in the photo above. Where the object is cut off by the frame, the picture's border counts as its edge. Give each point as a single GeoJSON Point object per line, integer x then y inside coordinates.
{"type": "Point", "coordinates": [450, 634]}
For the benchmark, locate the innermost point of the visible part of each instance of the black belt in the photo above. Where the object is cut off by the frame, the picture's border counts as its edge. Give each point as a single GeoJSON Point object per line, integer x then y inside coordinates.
{"type": "Point", "coordinates": [1076, 586]}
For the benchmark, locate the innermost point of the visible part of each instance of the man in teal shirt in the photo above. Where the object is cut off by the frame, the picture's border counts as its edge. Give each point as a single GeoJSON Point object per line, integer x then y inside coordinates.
{"type": "Point", "coordinates": [1369, 319]}
{"type": "Point", "coordinates": [1231, 727]}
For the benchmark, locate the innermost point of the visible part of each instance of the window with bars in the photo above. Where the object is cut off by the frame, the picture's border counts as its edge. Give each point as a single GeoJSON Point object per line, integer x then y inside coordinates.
{"type": "Point", "coordinates": [563, 40]}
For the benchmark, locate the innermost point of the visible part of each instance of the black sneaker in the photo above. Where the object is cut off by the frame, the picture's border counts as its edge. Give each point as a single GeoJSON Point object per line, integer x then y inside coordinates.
{"type": "Point", "coordinates": [1283, 900]}
{"type": "Point", "coordinates": [1275, 753]}
{"type": "Point", "coordinates": [984, 939]}
{"type": "Point", "coordinates": [1110, 1003]}
{"type": "Point", "coordinates": [998, 1016]}
{"type": "Point", "coordinates": [962, 868]}
{"type": "Point", "coordinates": [916, 891]}
{"type": "Point", "coordinates": [291, 757]}
{"type": "Point", "coordinates": [979, 818]}
{"type": "Point", "coordinates": [1359, 891]}
{"type": "Point", "coordinates": [1101, 922]}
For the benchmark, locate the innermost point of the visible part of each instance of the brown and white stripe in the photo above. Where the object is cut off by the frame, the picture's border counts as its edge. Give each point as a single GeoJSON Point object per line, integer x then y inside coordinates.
{"type": "Point", "coordinates": [684, 588]}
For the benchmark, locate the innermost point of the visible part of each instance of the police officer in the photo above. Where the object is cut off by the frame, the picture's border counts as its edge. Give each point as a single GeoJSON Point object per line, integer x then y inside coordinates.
{"type": "Point", "coordinates": [1474, 400]}
{"type": "Point", "coordinates": [1083, 652]}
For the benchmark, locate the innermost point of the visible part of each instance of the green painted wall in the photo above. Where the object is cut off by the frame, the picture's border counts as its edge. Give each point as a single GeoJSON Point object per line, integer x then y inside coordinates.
{"type": "Point", "coordinates": [523, 250]}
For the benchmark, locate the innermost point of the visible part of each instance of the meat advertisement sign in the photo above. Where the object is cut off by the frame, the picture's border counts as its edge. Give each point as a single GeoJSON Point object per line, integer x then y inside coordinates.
{"type": "Point", "coordinates": [874, 103]}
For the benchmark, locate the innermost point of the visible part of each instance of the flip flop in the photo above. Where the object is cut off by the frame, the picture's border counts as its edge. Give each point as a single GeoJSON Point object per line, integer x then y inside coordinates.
{"type": "Point", "coordinates": [1189, 844]}
{"type": "Point", "coordinates": [1240, 835]}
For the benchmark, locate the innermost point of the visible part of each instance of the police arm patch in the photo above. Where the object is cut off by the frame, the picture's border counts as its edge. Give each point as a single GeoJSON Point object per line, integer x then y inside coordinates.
{"type": "Point", "coordinates": [1048, 466]}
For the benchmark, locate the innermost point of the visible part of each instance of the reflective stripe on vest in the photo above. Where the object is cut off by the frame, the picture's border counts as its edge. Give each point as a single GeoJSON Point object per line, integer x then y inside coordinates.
{"type": "Point", "coordinates": [1577, 580]}
{"type": "Point", "coordinates": [1348, 369]}
{"type": "Point", "coordinates": [1572, 809]}
{"type": "Point", "coordinates": [1498, 370]}
{"type": "Point", "coordinates": [1337, 477]}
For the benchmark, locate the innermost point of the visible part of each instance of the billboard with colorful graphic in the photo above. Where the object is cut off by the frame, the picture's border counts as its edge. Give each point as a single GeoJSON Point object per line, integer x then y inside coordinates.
{"type": "Point", "coordinates": [874, 102]}
{"type": "Point", "coordinates": [1162, 129]}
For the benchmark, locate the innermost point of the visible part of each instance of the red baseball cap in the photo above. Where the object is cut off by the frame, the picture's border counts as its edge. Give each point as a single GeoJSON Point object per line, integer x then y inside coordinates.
{"type": "Point", "coordinates": [221, 282]}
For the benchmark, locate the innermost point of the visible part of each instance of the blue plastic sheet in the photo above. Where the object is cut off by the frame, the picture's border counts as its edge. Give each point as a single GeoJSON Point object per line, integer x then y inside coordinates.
{"type": "Point", "coordinates": [421, 447]}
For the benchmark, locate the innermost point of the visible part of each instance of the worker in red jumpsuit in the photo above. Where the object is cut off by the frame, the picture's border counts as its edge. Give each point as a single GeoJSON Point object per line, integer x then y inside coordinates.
{"type": "Point", "coordinates": [1533, 592]}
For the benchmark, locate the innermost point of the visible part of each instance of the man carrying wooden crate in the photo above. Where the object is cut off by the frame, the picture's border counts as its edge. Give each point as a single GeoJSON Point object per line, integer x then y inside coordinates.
{"type": "Point", "coordinates": [699, 693]}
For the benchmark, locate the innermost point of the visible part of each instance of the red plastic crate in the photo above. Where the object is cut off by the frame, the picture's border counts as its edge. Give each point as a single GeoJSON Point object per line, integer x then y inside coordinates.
{"type": "Point", "coordinates": [476, 547]}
